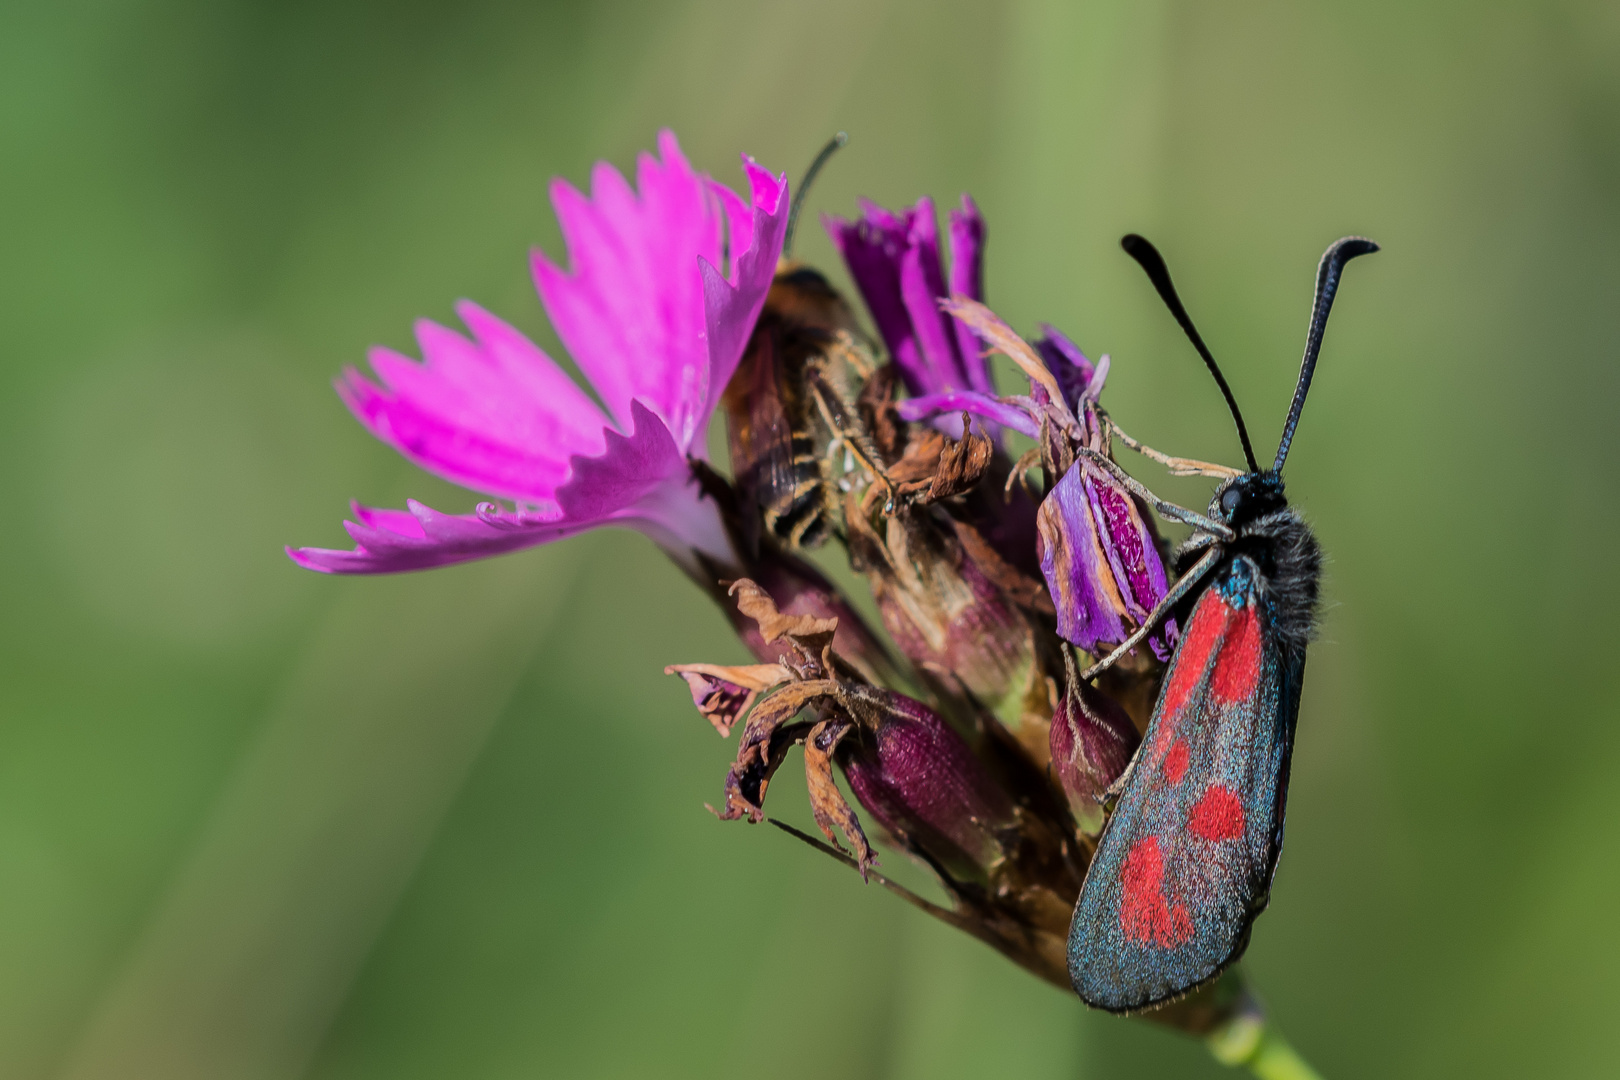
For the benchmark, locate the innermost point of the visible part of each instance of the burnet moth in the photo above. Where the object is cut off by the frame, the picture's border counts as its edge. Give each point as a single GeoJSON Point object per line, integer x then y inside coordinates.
{"type": "Point", "coordinates": [1185, 863]}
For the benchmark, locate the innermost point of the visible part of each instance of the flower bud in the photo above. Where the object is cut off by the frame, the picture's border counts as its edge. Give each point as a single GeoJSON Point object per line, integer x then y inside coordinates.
{"type": "Point", "coordinates": [944, 597]}
{"type": "Point", "coordinates": [922, 782]}
{"type": "Point", "coordinates": [1092, 742]}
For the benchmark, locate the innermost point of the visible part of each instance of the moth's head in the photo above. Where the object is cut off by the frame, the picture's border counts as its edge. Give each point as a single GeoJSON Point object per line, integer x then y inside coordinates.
{"type": "Point", "coordinates": [1245, 498]}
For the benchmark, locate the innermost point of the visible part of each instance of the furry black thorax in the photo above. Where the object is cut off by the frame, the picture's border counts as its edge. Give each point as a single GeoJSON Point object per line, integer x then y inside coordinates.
{"type": "Point", "coordinates": [1274, 539]}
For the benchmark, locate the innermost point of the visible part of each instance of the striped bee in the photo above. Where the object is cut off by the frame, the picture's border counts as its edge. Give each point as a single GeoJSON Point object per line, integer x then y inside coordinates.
{"type": "Point", "coordinates": [795, 430]}
{"type": "Point", "coordinates": [793, 421]}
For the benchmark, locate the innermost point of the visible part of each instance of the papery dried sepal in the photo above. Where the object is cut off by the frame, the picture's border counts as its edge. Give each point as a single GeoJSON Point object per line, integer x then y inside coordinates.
{"type": "Point", "coordinates": [722, 694]}
{"type": "Point", "coordinates": [826, 801]}
{"type": "Point", "coordinates": [754, 602]}
{"type": "Point", "coordinates": [1003, 339]}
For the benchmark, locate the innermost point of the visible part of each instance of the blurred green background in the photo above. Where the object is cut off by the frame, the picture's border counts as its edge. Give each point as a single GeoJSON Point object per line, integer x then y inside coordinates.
{"type": "Point", "coordinates": [255, 823]}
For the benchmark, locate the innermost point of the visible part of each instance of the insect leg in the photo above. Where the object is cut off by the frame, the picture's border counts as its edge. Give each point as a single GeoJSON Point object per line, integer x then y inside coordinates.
{"type": "Point", "coordinates": [1178, 466]}
{"type": "Point", "coordinates": [1020, 473]}
{"type": "Point", "coordinates": [1168, 509]}
{"type": "Point", "coordinates": [854, 439]}
{"type": "Point", "coordinates": [1171, 598]}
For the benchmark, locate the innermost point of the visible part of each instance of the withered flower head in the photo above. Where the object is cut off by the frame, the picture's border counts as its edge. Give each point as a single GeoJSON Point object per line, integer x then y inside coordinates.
{"type": "Point", "coordinates": [1099, 552]}
{"type": "Point", "coordinates": [970, 807]}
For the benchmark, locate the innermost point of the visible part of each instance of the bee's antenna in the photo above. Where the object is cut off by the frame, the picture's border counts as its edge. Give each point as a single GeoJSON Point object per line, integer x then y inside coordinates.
{"type": "Point", "coordinates": [1145, 253]}
{"type": "Point", "coordinates": [1327, 284]}
{"type": "Point", "coordinates": [833, 144]}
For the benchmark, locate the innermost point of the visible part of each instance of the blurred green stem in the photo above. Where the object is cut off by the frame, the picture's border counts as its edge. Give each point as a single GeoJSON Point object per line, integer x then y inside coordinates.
{"type": "Point", "coordinates": [1248, 1040]}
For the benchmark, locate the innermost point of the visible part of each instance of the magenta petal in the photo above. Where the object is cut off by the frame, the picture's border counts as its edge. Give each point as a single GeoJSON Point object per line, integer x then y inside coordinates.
{"type": "Point", "coordinates": [631, 310]}
{"type": "Point", "coordinates": [630, 467]}
{"type": "Point", "coordinates": [739, 214]}
{"type": "Point", "coordinates": [495, 414]}
{"type": "Point", "coordinates": [967, 279]}
{"type": "Point", "coordinates": [929, 406]}
{"type": "Point", "coordinates": [390, 547]}
{"type": "Point", "coordinates": [732, 308]}
{"type": "Point", "coordinates": [641, 480]}
{"type": "Point", "coordinates": [400, 521]}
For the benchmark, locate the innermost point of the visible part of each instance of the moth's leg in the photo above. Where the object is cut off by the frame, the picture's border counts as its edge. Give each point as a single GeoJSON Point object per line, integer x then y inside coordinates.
{"type": "Point", "coordinates": [1020, 474]}
{"type": "Point", "coordinates": [1195, 542]}
{"type": "Point", "coordinates": [1167, 509]}
{"type": "Point", "coordinates": [856, 441]}
{"type": "Point", "coordinates": [1117, 788]}
{"type": "Point", "coordinates": [1178, 466]}
{"type": "Point", "coordinates": [1171, 598]}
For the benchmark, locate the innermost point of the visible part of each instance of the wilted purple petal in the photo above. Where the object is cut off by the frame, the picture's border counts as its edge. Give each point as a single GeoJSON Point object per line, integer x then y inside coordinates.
{"type": "Point", "coordinates": [967, 279]}
{"type": "Point", "coordinates": [722, 694]}
{"type": "Point", "coordinates": [993, 409]}
{"type": "Point", "coordinates": [895, 261]}
{"type": "Point", "coordinates": [1133, 557]}
{"type": "Point", "coordinates": [1089, 607]}
{"type": "Point", "coordinates": [872, 247]}
{"type": "Point", "coordinates": [631, 308]}
{"type": "Point", "coordinates": [1067, 364]}
{"type": "Point", "coordinates": [922, 287]}
{"type": "Point", "coordinates": [1099, 558]}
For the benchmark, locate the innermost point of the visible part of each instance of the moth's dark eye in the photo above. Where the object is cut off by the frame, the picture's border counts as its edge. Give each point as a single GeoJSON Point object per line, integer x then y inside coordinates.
{"type": "Point", "coordinates": [1229, 501]}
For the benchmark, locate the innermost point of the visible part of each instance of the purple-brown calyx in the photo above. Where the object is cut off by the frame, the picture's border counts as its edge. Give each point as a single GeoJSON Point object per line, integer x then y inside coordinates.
{"type": "Point", "coordinates": [1092, 741]}
{"type": "Point", "coordinates": [977, 812]}
{"type": "Point", "coordinates": [912, 772]}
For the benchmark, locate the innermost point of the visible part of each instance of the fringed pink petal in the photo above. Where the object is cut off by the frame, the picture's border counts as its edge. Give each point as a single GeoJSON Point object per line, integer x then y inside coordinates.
{"type": "Point", "coordinates": [389, 546]}
{"type": "Point", "coordinates": [640, 480]}
{"type": "Point", "coordinates": [630, 309]}
{"type": "Point", "coordinates": [732, 307]}
{"type": "Point", "coordinates": [494, 414]}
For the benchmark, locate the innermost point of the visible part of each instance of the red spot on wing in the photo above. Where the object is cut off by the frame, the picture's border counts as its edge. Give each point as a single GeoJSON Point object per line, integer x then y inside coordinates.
{"type": "Point", "coordinates": [1175, 762]}
{"type": "Point", "coordinates": [1218, 815]}
{"type": "Point", "coordinates": [1203, 634]}
{"type": "Point", "coordinates": [1237, 668]}
{"type": "Point", "coordinates": [1143, 913]}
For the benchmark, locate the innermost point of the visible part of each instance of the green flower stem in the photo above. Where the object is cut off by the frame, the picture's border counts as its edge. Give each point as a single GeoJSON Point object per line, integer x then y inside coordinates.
{"type": "Point", "coordinates": [1248, 1040]}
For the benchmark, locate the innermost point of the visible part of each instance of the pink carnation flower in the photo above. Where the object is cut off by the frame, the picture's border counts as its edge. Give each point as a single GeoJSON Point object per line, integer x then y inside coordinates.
{"type": "Point", "coordinates": [651, 322]}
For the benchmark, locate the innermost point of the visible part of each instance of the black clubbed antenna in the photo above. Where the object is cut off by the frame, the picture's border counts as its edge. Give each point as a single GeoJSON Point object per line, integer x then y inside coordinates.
{"type": "Point", "coordinates": [1138, 248]}
{"type": "Point", "coordinates": [1327, 283]}
{"type": "Point", "coordinates": [833, 144]}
